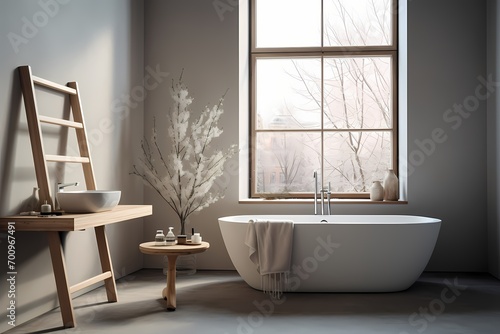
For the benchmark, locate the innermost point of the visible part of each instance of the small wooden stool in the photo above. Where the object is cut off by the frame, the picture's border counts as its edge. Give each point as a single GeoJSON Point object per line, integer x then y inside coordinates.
{"type": "Point", "coordinates": [172, 252]}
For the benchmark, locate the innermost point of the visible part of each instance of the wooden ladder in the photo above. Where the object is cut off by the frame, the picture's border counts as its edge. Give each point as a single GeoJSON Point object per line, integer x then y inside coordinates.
{"type": "Point", "coordinates": [28, 82]}
{"type": "Point", "coordinates": [34, 119]}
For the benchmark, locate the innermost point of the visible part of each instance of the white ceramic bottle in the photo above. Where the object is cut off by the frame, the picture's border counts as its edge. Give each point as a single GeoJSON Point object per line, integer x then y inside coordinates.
{"type": "Point", "coordinates": [391, 186]}
{"type": "Point", "coordinates": [376, 191]}
{"type": "Point", "coordinates": [170, 238]}
{"type": "Point", "coordinates": [33, 202]}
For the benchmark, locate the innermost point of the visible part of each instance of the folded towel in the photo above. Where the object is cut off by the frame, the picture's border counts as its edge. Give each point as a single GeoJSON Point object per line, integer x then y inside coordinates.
{"type": "Point", "coordinates": [270, 244]}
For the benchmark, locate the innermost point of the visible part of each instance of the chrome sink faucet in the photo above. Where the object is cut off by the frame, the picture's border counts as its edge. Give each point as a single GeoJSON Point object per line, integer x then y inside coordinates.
{"type": "Point", "coordinates": [60, 189]}
{"type": "Point", "coordinates": [61, 186]}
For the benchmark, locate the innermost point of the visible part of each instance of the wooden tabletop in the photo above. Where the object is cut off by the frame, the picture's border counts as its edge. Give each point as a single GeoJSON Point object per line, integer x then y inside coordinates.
{"type": "Point", "coordinates": [150, 248]}
{"type": "Point", "coordinates": [76, 222]}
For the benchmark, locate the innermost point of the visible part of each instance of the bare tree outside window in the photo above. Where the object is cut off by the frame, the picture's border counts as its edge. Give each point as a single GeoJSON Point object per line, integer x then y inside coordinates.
{"type": "Point", "coordinates": [330, 107]}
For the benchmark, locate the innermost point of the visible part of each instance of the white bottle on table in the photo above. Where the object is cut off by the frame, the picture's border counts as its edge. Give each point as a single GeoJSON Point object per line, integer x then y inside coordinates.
{"type": "Point", "coordinates": [170, 238]}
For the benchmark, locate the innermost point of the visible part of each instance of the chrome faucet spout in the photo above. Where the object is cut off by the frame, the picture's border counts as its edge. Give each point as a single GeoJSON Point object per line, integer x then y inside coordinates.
{"type": "Point", "coordinates": [328, 197]}
{"type": "Point", "coordinates": [61, 186]}
{"type": "Point", "coordinates": [315, 192]}
{"type": "Point", "coordinates": [322, 201]}
{"type": "Point", "coordinates": [60, 189]}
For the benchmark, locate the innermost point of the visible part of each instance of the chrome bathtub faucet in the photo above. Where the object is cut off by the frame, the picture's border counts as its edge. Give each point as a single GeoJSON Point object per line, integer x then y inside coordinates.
{"type": "Point", "coordinates": [328, 193]}
{"type": "Point", "coordinates": [328, 197]}
{"type": "Point", "coordinates": [315, 192]}
{"type": "Point", "coordinates": [322, 194]}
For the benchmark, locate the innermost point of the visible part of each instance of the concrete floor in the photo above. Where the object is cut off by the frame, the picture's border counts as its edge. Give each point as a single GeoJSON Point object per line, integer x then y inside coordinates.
{"type": "Point", "coordinates": [220, 302]}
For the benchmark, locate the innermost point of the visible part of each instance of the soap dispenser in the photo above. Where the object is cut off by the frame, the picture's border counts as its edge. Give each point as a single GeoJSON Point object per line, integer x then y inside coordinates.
{"type": "Point", "coordinates": [170, 238]}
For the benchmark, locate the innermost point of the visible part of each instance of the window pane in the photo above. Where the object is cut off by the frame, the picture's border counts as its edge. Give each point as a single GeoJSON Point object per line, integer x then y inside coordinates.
{"type": "Point", "coordinates": [288, 23]}
{"type": "Point", "coordinates": [288, 93]}
{"type": "Point", "coordinates": [285, 161]}
{"type": "Point", "coordinates": [358, 92]}
{"type": "Point", "coordinates": [357, 22]}
{"type": "Point", "coordinates": [353, 160]}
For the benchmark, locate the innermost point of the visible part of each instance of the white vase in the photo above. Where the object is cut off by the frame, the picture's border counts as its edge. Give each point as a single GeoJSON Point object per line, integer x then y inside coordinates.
{"type": "Point", "coordinates": [376, 191]}
{"type": "Point", "coordinates": [32, 203]}
{"type": "Point", "coordinates": [391, 186]}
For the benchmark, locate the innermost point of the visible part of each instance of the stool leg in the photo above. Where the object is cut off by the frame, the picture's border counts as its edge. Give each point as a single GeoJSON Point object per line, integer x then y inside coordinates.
{"type": "Point", "coordinates": [169, 292]}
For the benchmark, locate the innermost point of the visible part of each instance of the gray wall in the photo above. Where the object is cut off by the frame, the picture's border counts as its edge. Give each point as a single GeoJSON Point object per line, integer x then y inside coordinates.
{"type": "Point", "coordinates": [447, 52]}
{"type": "Point", "coordinates": [446, 55]}
{"type": "Point", "coordinates": [189, 35]}
{"type": "Point", "coordinates": [100, 45]}
{"type": "Point", "coordinates": [493, 144]}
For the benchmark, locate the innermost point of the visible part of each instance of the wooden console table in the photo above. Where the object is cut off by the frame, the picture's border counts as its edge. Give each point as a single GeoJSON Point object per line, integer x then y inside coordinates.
{"type": "Point", "coordinates": [78, 222]}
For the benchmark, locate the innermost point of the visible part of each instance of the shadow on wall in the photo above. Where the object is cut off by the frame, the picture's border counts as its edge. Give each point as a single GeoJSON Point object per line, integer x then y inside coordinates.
{"type": "Point", "coordinates": [10, 133]}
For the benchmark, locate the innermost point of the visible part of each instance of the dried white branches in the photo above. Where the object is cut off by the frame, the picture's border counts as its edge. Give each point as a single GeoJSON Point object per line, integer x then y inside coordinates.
{"type": "Point", "coordinates": [184, 177]}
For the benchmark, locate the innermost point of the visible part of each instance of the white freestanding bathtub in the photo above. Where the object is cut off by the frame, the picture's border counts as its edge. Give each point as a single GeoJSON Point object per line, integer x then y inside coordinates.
{"type": "Point", "coordinates": [344, 253]}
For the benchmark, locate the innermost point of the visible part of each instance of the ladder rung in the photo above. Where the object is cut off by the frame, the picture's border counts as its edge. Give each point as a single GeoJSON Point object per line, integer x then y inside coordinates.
{"type": "Point", "coordinates": [90, 281]}
{"type": "Point", "coordinates": [62, 122]}
{"type": "Point", "coordinates": [64, 158]}
{"type": "Point", "coordinates": [53, 85]}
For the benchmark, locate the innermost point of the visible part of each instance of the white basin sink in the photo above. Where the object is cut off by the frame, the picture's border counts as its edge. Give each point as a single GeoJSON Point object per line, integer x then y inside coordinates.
{"type": "Point", "coordinates": [87, 201]}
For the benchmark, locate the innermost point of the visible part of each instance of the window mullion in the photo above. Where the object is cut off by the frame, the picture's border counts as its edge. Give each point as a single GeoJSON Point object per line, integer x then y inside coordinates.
{"type": "Point", "coordinates": [322, 155]}
{"type": "Point", "coordinates": [322, 97]}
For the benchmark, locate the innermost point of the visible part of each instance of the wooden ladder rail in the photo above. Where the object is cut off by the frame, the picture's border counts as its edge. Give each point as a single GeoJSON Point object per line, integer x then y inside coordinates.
{"type": "Point", "coordinates": [34, 119]}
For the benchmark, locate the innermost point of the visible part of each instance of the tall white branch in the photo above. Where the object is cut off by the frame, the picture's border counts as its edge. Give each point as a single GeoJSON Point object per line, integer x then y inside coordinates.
{"type": "Point", "coordinates": [184, 176]}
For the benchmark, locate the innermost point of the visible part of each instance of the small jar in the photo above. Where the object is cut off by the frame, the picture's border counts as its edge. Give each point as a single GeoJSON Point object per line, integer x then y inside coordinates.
{"type": "Point", "coordinates": [376, 191]}
{"type": "Point", "coordinates": [160, 238]}
{"type": "Point", "coordinates": [181, 239]}
{"type": "Point", "coordinates": [196, 238]}
{"type": "Point", "coordinates": [46, 208]}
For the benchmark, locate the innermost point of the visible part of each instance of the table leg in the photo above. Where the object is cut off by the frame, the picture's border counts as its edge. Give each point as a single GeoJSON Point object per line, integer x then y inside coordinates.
{"type": "Point", "coordinates": [106, 265]}
{"type": "Point", "coordinates": [63, 293]}
{"type": "Point", "coordinates": [169, 292]}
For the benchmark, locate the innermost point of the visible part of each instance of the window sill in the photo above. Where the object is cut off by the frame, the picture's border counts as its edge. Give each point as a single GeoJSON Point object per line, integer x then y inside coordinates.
{"type": "Point", "coordinates": [310, 201]}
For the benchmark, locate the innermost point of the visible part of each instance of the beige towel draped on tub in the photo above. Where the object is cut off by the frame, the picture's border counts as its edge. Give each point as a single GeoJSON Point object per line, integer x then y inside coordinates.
{"type": "Point", "coordinates": [270, 243]}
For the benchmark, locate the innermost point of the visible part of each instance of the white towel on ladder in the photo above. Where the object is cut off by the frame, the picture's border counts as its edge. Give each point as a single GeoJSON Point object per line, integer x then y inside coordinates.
{"type": "Point", "coordinates": [270, 249]}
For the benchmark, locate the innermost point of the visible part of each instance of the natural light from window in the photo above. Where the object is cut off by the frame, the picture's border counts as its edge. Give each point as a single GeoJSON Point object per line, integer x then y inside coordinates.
{"type": "Point", "coordinates": [323, 96]}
